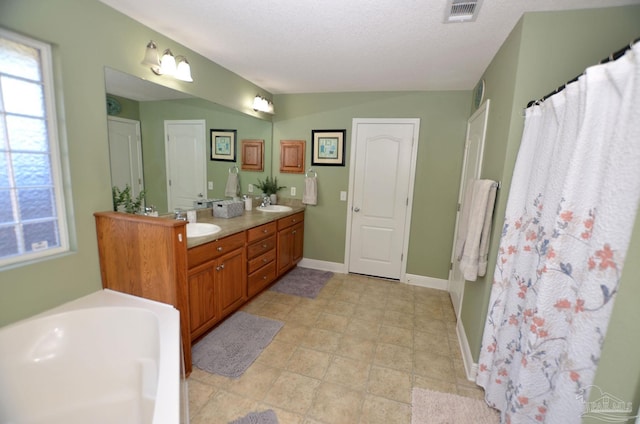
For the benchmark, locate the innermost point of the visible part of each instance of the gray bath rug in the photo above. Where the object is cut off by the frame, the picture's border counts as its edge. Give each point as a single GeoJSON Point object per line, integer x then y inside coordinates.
{"type": "Point", "coordinates": [232, 347]}
{"type": "Point", "coordinates": [264, 417]}
{"type": "Point", "coordinates": [303, 282]}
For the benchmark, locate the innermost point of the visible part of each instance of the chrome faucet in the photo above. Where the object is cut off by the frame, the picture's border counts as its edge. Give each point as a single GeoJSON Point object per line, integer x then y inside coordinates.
{"type": "Point", "coordinates": [180, 215]}
{"type": "Point", "coordinates": [266, 201]}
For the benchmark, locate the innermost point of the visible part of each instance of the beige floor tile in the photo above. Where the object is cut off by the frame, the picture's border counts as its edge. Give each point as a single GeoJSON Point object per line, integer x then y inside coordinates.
{"type": "Point", "coordinates": [400, 305]}
{"type": "Point", "coordinates": [255, 382]}
{"type": "Point", "coordinates": [214, 380]}
{"type": "Point", "coordinates": [471, 392]}
{"type": "Point", "coordinates": [390, 384]}
{"type": "Point", "coordinates": [393, 356]}
{"type": "Point", "coordinates": [434, 384]}
{"type": "Point", "coordinates": [339, 307]}
{"type": "Point", "coordinates": [336, 404]}
{"type": "Point", "coordinates": [398, 319]}
{"type": "Point", "coordinates": [396, 336]}
{"type": "Point", "coordinates": [363, 329]}
{"type": "Point", "coordinates": [331, 322]}
{"type": "Point", "coordinates": [356, 348]}
{"type": "Point", "coordinates": [199, 394]}
{"type": "Point", "coordinates": [432, 342]}
{"type": "Point", "coordinates": [428, 325]}
{"type": "Point", "coordinates": [291, 333]}
{"type": "Point", "coordinates": [378, 410]}
{"type": "Point", "coordinates": [285, 299]}
{"type": "Point", "coordinates": [347, 295]}
{"type": "Point", "coordinates": [369, 312]}
{"type": "Point", "coordinates": [277, 354]}
{"type": "Point", "coordinates": [311, 363]}
{"type": "Point", "coordinates": [224, 407]}
{"type": "Point", "coordinates": [284, 417]}
{"type": "Point", "coordinates": [432, 365]}
{"type": "Point", "coordinates": [302, 315]}
{"type": "Point", "coordinates": [373, 300]}
{"type": "Point", "coordinates": [348, 372]}
{"type": "Point", "coordinates": [292, 392]}
{"type": "Point", "coordinates": [275, 310]}
{"type": "Point", "coordinates": [324, 340]}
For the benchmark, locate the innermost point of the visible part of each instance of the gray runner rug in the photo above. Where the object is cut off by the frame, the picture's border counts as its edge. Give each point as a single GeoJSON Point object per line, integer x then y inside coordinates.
{"type": "Point", "coordinates": [304, 282]}
{"type": "Point", "coordinates": [232, 347]}
{"type": "Point", "coordinates": [264, 417]}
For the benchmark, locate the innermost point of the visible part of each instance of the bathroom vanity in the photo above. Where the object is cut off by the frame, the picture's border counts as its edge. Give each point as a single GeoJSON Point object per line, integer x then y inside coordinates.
{"type": "Point", "coordinates": [206, 278]}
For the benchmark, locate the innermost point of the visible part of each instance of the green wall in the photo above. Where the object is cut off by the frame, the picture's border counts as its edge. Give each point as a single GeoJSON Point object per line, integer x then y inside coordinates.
{"type": "Point", "coordinates": [87, 36]}
{"type": "Point", "coordinates": [543, 52]}
{"type": "Point", "coordinates": [443, 117]}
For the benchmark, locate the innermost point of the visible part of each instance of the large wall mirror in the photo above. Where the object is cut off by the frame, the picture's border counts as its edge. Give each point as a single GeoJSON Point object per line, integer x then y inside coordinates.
{"type": "Point", "coordinates": [141, 115]}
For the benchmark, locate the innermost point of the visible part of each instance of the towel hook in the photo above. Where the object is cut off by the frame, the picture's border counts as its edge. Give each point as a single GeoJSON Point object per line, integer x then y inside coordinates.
{"type": "Point", "coordinates": [234, 167]}
{"type": "Point", "coordinates": [315, 174]}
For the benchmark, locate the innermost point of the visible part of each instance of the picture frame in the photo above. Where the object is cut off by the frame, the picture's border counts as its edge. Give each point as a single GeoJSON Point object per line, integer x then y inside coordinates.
{"type": "Point", "coordinates": [223, 145]}
{"type": "Point", "coordinates": [327, 147]}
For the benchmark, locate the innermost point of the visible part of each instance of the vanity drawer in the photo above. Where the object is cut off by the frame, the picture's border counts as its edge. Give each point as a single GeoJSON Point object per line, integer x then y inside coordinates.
{"type": "Point", "coordinates": [290, 220]}
{"type": "Point", "coordinates": [260, 247]}
{"type": "Point", "coordinates": [261, 278]}
{"type": "Point", "coordinates": [206, 252]}
{"type": "Point", "coordinates": [256, 263]}
{"type": "Point", "coordinates": [261, 232]}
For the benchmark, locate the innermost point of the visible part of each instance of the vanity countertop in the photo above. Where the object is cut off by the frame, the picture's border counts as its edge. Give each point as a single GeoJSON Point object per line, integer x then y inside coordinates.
{"type": "Point", "coordinates": [247, 220]}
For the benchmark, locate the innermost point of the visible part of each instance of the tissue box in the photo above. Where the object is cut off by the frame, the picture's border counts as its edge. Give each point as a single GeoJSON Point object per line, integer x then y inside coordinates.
{"type": "Point", "coordinates": [228, 208]}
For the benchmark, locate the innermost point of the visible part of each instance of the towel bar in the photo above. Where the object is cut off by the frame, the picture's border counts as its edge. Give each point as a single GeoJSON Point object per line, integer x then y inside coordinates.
{"type": "Point", "coordinates": [234, 167]}
{"type": "Point", "coordinates": [315, 174]}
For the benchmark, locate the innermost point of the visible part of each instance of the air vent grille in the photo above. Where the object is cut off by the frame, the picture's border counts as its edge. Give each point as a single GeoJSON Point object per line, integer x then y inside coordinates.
{"type": "Point", "coordinates": [462, 10]}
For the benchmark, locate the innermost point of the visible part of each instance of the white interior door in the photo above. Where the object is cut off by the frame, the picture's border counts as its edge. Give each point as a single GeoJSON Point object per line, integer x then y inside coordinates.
{"type": "Point", "coordinates": [471, 169]}
{"type": "Point", "coordinates": [125, 154]}
{"type": "Point", "coordinates": [383, 156]}
{"type": "Point", "coordinates": [185, 152]}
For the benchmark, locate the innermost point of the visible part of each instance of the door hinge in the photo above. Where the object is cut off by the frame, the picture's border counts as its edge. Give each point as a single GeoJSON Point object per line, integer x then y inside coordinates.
{"type": "Point", "coordinates": [407, 201]}
{"type": "Point", "coordinates": [450, 266]}
{"type": "Point", "coordinates": [401, 257]}
{"type": "Point", "coordinates": [459, 207]}
{"type": "Point", "coordinates": [169, 183]}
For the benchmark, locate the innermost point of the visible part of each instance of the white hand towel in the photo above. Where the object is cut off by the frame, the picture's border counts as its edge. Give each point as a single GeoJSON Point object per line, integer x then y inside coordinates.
{"type": "Point", "coordinates": [463, 225]}
{"type": "Point", "coordinates": [486, 231]}
{"type": "Point", "coordinates": [470, 262]}
{"type": "Point", "coordinates": [310, 195]}
{"type": "Point", "coordinates": [232, 189]}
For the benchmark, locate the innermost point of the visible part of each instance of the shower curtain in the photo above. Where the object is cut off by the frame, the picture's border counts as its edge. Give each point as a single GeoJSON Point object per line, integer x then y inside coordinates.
{"type": "Point", "coordinates": [569, 218]}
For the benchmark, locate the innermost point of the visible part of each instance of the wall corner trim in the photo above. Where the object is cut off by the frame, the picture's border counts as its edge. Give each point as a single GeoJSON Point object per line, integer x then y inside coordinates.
{"type": "Point", "coordinates": [470, 368]}
{"type": "Point", "coordinates": [323, 265]}
{"type": "Point", "coordinates": [428, 282]}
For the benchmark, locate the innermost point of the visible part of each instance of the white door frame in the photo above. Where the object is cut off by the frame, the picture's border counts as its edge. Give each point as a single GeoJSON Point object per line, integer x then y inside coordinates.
{"type": "Point", "coordinates": [484, 108]}
{"type": "Point", "coordinates": [136, 189]}
{"type": "Point", "coordinates": [412, 177]}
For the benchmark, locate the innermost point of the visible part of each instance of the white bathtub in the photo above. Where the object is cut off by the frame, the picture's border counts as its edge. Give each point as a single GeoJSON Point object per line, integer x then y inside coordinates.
{"type": "Point", "coordinates": [104, 358]}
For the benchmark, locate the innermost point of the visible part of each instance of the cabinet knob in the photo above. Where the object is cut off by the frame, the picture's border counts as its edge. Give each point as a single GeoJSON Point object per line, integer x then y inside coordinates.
{"type": "Point", "coordinates": [293, 232]}
{"type": "Point", "coordinates": [264, 246]}
{"type": "Point", "coordinates": [264, 277]}
{"type": "Point", "coordinates": [219, 248]}
{"type": "Point", "coordinates": [265, 231]}
{"type": "Point", "coordinates": [264, 260]}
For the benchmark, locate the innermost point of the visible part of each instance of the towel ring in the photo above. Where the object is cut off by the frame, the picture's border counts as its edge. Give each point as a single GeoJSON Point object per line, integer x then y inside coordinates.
{"type": "Point", "coordinates": [232, 168]}
{"type": "Point", "coordinates": [315, 174]}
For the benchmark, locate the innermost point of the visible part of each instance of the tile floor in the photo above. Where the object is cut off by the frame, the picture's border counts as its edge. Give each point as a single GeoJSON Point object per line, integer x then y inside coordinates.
{"type": "Point", "coordinates": [352, 355]}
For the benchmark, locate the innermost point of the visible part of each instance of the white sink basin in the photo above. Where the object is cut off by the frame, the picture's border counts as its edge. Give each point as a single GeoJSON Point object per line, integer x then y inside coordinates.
{"type": "Point", "coordinates": [201, 229]}
{"type": "Point", "coordinates": [274, 208]}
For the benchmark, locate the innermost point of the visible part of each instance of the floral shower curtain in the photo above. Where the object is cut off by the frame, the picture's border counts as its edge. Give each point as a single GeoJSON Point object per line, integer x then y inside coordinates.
{"type": "Point", "coordinates": [569, 218]}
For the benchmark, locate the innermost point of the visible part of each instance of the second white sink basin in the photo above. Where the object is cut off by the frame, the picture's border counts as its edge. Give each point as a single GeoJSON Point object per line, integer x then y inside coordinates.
{"type": "Point", "coordinates": [201, 229]}
{"type": "Point", "coordinates": [274, 208]}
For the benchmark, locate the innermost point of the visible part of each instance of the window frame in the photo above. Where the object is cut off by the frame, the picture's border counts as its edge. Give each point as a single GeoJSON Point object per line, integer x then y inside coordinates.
{"type": "Point", "coordinates": [51, 122]}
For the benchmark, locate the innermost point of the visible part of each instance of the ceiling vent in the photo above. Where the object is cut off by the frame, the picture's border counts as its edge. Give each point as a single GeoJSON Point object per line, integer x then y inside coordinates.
{"type": "Point", "coordinates": [462, 10]}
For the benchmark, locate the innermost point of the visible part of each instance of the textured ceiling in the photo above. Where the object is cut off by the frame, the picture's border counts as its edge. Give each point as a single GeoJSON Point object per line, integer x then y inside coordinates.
{"type": "Point", "coordinates": [306, 46]}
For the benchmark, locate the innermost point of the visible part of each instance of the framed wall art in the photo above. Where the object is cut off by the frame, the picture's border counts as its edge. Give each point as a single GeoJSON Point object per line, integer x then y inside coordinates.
{"type": "Point", "coordinates": [327, 147]}
{"type": "Point", "coordinates": [223, 145]}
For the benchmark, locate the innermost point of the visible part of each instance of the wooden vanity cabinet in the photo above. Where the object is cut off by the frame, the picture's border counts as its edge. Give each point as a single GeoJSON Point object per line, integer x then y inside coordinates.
{"type": "Point", "coordinates": [261, 257]}
{"type": "Point", "coordinates": [216, 281]}
{"type": "Point", "coordinates": [290, 241]}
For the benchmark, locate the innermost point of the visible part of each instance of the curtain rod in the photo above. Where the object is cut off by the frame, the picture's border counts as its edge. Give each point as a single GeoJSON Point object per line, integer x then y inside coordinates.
{"type": "Point", "coordinates": [613, 56]}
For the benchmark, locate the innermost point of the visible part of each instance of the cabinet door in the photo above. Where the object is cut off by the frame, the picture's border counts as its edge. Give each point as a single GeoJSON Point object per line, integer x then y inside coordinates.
{"type": "Point", "coordinates": [203, 310]}
{"type": "Point", "coordinates": [252, 155]}
{"type": "Point", "coordinates": [231, 280]}
{"type": "Point", "coordinates": [297, 235]}
{"type": "Point", "coordinates": [292, 153]}
{"type": "Point", "coordinates": [285, 252]}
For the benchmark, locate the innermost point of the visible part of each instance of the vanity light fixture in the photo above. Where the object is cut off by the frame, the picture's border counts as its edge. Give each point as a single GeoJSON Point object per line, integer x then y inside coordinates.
{"type": "Point", "coordinates": [177, 67]}
{"type": "Point", "coordinates": [260, 104]}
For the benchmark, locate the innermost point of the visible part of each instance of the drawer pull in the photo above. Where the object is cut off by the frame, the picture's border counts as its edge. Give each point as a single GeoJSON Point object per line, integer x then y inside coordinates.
{"type": "Point", "coordinates": [265, 231]}
{"type": "Point", "coordinates": [219, 248]}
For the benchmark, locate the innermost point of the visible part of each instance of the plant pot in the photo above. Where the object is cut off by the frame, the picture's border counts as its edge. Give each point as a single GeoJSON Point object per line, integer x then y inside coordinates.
{"type": "Point", "coordinates": [274, 199]}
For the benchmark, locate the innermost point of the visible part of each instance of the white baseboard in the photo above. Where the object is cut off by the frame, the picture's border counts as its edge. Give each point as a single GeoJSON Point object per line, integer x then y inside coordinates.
{"type": "Point", "coordinates": [323, 265]}
{"type": "Point", "coordinates": [470, 368]}
{"type": "Point", "coordinates": [428, 282]}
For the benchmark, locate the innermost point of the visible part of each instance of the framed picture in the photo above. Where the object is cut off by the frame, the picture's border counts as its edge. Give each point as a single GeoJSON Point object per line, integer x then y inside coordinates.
{"type": "Point", "coordinates": [327, 147]}
{"type": "Point", "coordinates": [223, 145]}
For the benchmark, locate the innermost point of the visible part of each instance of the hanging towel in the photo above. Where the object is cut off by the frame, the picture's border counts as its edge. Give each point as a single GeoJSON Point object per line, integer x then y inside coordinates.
{"type": "Point", "coordinates": [476, 240]}
{"type": "Point", "coordinates": [310, 195]}
{"type": "Point", "coordinates": [232, 188]}
{"type": "Point", "coordinates": [464, 219]}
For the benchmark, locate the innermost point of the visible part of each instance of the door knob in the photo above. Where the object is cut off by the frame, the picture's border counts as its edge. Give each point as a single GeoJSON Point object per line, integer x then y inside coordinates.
{"type": "Point", "coordinates": [356, 209]}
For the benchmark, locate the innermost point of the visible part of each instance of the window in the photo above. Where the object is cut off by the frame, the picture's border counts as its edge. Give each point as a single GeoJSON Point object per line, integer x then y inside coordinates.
{"type": "Point", "coordinates": [32, 214]}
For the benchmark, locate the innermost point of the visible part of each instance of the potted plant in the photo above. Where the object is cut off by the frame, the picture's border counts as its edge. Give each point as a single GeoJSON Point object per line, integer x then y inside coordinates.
{"type": "Point", "coordinates": [122, 200]}
{"type": "Point", "coordinates": [270, 188]}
